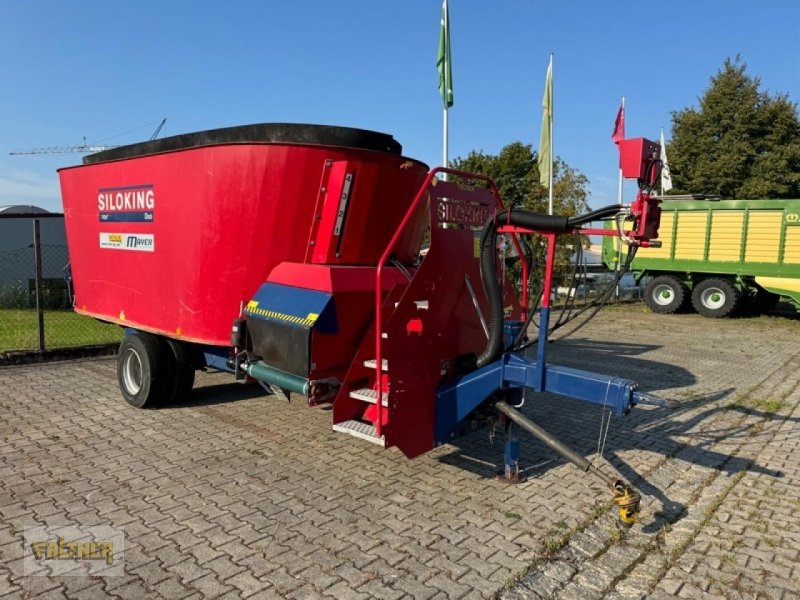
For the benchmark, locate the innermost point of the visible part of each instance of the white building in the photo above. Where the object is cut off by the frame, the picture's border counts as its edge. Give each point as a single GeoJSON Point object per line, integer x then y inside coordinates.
{"type": "Point", "coordinates": [17, 267]}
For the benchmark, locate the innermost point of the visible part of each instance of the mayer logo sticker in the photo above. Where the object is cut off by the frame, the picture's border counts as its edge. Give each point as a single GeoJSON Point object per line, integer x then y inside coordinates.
{"type": "Point", "coordinates": [127, 204]}
{"type": "Point", "coordinates": [141, 242]}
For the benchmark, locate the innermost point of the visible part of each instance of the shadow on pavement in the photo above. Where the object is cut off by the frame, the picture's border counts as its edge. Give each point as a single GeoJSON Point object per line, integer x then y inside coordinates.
{"type": "Point", "coordinates": [578, 424]}
{"type": "Point", "coordinates": [218, 393]}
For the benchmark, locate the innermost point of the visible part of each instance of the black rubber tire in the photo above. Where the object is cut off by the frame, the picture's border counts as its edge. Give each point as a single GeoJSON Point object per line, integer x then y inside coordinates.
{"type": "Point", "coordinates": [179, 359]}
{"type": "Point", "coordinates": [666, 294]}
{"type": "Point", "coordinates": [715, 297]}
{"type": "Point", "coordinates": [140, 370]}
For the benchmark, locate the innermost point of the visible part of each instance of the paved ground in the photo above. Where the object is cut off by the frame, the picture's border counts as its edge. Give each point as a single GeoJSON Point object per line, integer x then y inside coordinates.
{"type": "Point", "coordinates": [241, 495]}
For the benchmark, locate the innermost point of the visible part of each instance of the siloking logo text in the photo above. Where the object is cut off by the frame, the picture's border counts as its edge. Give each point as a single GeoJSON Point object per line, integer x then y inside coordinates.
{"type": "Point", "coordinates": [127, 204]}
{"type": "Point", "coordinates": [459, 212]}
{"type": "Point", "coordinates": [143, 242]}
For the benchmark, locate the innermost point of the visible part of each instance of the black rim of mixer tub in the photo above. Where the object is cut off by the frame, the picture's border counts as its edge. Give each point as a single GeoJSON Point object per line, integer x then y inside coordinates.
{"type": "Point", "coordinates": [259, 133]}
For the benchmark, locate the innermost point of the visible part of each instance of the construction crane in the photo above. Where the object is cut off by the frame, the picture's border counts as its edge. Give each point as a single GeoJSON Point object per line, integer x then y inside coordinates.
{"type": "Point", "coordinates": [82, 148]}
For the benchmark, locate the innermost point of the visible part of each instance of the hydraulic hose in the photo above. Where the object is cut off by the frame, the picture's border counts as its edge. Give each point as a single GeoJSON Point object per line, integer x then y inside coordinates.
{"type": "Point", "coordinates": [600, 213]}
{"type": "Point", "coordinates": [519, 218]}
{"type": "Point", "coordinates": [491, 285]}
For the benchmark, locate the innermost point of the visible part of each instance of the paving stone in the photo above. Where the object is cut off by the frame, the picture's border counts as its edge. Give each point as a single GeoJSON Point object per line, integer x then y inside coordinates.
{"type": "Point", "coordinates": [188, 570]}
{"type": "Point", "coordinates": [414, 588]}
{"type": "Point", "coordinates": [209, 586]}
{"type": "Point", "coordinates": [282, 581]}
{"type": "Point", "coordinates": [92, 592]}
{"type": "Point", "coordinates": [172, 588]}
{"type": "Point", "coordinates": [452, 588]}
{"type": "Point", "coordinates": [341, 590]}
{"type": "Point", "coordinates": [246, 584]}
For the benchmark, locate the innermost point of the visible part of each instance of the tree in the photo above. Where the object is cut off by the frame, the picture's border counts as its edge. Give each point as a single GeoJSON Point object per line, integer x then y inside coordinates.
{"type": "Point", "coordinates": [514, 169]}
{"type": "Point", "coordinates": [740, 143]}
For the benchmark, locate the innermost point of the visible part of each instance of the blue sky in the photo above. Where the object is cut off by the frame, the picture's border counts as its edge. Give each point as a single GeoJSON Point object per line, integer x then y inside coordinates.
{"type": "Point", "coordinates": [101, 69]}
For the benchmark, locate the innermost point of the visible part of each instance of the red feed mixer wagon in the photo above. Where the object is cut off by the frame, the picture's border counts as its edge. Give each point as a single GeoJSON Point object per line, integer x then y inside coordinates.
{"type": "Point", "coordinates": [289, 254]}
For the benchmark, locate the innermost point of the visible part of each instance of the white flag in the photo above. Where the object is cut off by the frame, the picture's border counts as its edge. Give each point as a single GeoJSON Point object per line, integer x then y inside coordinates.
{"type": "Point", "coordinates": [666, 178]}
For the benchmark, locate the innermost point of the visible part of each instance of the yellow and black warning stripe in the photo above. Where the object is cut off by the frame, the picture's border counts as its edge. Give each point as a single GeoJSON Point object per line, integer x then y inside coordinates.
{"type": "Point", "coordinates": [308, 321]}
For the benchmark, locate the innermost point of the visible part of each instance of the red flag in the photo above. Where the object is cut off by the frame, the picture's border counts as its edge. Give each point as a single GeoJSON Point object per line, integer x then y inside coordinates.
{"type": "Point", "coordinates": [619, 125]}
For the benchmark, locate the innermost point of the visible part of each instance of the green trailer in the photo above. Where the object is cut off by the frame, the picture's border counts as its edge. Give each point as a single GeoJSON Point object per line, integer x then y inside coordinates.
{"type": "Point", "coordinates": [719, 256]}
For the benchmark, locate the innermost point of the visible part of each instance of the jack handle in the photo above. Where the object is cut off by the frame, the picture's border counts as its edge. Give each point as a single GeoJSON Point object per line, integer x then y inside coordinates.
{"type": "Point", "coordinates": [626, 499]}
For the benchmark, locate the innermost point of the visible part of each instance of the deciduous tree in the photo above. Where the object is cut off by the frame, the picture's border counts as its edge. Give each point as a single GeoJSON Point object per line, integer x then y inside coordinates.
{"type": "Point", "coordinates": [516, 174]}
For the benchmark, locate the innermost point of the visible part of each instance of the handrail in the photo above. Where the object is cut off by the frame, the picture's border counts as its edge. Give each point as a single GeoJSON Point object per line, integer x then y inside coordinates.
{"type": "Point", "coordinates": [385, 256]}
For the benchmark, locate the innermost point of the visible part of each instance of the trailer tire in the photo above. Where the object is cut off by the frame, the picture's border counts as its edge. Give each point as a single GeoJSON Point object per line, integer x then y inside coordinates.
{"type": "Point", "coordinates": [179, 361]}
{"type": "Point", "coordinates": [140, 371]}
{"type": "Point", "coordinates": [715, 297]}
{"type": "Point", "coordinates": [666, 294]}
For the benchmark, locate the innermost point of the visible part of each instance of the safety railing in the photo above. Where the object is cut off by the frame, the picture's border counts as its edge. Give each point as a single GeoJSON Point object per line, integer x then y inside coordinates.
{"type": "Point", "coordinates": [387, 253]}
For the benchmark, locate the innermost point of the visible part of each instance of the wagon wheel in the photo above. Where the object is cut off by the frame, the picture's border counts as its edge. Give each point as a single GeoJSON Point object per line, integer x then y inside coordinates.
{"type": "Point", "coordinates": [143, 379]}
{"type": "Point", "coordinates": [715, 297]}
{"type": "Point", "coordinates": [666, 294]}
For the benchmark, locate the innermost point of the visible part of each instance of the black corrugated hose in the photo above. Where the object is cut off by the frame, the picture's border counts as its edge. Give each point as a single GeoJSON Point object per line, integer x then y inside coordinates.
{"type": "Point", "coordinates": [528, 220]}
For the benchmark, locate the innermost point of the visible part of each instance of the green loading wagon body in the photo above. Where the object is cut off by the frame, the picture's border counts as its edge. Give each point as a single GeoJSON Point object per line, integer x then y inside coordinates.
{"type": "Point", "coordinates": [720, 255]}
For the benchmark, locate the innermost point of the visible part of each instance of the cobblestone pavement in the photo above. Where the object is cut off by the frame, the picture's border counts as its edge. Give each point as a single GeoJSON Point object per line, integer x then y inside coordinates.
{"type": "Point", "coordinates": [241, 495]}
{"type": "Point", "coordinates": [720, 517]}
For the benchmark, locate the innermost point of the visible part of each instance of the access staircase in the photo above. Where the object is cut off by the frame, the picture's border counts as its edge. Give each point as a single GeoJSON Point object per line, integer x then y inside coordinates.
{"type": "Point", "coordinates": [427, 326]}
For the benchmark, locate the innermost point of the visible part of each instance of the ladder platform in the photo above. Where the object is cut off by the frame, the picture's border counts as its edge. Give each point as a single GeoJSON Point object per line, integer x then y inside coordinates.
{"type": "Point", "coordinates": [372, 364]}
{"type": "Point", "coordinates": [369, 395]}
{"type": "Point", "coordinates": [364, 431]}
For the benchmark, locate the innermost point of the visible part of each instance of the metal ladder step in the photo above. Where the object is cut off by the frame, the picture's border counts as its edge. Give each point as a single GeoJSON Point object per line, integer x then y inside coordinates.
{"type": "Point", "coordinates": [369, 395]}
{"type": "Point", "coordinates": [364, 431]}
{"type": "Point", "coordinates": [372, 363]}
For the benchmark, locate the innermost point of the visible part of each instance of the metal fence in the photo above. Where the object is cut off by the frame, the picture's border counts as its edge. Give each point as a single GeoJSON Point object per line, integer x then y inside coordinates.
{"type": "Point", "coordinates": [36, 302]}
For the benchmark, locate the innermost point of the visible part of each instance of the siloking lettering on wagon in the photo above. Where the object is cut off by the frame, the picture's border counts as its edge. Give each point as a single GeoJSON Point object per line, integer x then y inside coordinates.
{"type": "Point", "coordinates": [126, 204]}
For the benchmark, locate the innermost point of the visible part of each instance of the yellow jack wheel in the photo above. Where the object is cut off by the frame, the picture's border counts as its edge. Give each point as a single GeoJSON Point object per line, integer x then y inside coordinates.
{"type": "Point", "coordinates": [627, 501]}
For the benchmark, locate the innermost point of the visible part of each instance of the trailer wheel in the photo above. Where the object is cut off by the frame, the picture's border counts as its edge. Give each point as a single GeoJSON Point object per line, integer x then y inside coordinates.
{"type": "Point", "coordinates": [139, 370]}
{"type": "Point", "coordinates": [666, 294]}
{"type": "Point", "coordinates": [180, 362]}
{"type": "Point", "coordinates": [715, 297]}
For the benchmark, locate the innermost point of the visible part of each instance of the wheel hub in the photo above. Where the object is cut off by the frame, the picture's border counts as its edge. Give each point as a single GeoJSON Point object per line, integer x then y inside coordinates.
{"type": "Point", "coordinates": [713, 298]}
{"type": "Point", "coordinates": [132, 371]}
{"type": "Point", "coordinates": [663, 295]}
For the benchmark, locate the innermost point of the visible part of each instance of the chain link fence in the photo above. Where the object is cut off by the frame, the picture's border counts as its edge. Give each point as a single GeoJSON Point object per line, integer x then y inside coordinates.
{"type": "Point", "coordinates": [36, 301]}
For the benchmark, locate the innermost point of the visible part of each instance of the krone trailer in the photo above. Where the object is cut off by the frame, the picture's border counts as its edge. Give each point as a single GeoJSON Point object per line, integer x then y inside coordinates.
{"type": "Point", "coordinates": [719, 256]}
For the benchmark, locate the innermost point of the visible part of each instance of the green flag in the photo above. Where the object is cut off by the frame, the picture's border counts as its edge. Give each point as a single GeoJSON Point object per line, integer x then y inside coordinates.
{"type": "Point", "coordinates": [443, 63]}
{"type": "Point", "coordinates": [545, 159]}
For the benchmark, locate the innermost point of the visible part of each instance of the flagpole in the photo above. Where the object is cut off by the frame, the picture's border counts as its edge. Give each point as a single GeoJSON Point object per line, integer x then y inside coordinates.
{"type": "Point", "coordinates": [619, 185]}
{"type": "Point", "coordinates": [444, 142]}
{"type": "Point", "coordinates": [619, 242]}
{"type": "Point", "coordinates": [666, 176]}
{"type": "Point", "coordinates": [550, 187]}
{"type": "Point", "coordinates": [445, 130]}
{"type": "Point", "coordinates": [661, 176]}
